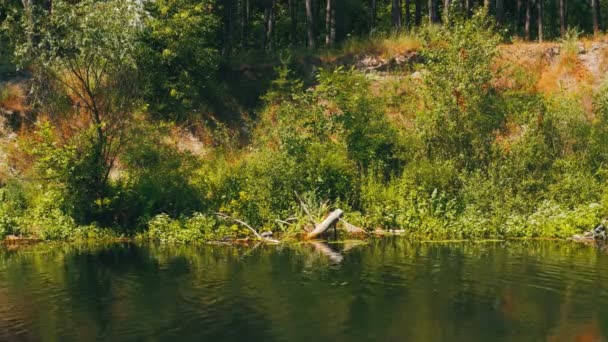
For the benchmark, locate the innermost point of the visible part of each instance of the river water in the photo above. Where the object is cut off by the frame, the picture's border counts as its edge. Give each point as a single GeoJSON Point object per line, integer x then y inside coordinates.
{"type": "Point", "coordinates": [384, 290]}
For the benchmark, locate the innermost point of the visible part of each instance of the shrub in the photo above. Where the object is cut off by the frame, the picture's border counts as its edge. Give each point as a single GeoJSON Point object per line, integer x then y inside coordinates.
{"type": "Point", "coordinates": [197, 228]}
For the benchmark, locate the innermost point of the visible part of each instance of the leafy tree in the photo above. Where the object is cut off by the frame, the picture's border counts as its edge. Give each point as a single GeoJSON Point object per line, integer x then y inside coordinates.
{"type": "Point", "coordinates": [86, 81]}
{"type": "Point", "coordinates": [181, 55]}
{"type": "Point", "coordinates": [458, 118]}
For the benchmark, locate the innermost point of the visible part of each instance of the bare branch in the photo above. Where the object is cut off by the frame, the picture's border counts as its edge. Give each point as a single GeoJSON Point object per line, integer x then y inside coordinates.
{"type": "Point", "coordinates": [260, 237]}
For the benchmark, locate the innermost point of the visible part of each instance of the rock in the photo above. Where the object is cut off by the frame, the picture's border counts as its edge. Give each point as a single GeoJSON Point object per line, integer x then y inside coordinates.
{"type": "Point", "coordinates": [600, 232]}
{"type": "Point", "coordinates": [596, 234]}
{"type": "Point", "coordinates": [266, 234]}
{"type": "Point", "coordinates": [581, 49]}
{"type": "Point", "coordinates": [551, 52]}
{"type": "Point", "coordinates": [369, 63]}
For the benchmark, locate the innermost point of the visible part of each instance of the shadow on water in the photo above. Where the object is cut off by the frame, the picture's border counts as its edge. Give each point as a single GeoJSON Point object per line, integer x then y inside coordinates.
{"type": "Point", "coordinates": [389, 289]}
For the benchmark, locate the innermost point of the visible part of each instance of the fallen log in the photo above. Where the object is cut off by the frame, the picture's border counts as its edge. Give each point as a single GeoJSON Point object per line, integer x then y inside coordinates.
{"type": "Point", "coordinates": [352, 229]}
{"type": "Point", "coordinates": [329, 221]}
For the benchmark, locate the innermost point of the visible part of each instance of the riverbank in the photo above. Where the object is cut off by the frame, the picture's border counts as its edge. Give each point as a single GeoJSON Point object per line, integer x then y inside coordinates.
{"type": "Point", "coordinates": [475, 140]}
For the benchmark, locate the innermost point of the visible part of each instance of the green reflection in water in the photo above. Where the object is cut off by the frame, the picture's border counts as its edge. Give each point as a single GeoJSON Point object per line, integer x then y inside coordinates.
{"type": "Point", "coordinates": [385, 290]}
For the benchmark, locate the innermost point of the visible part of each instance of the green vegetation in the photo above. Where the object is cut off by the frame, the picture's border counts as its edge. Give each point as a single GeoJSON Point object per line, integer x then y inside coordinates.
{"type": "Point", "coordinates": [450, 151]}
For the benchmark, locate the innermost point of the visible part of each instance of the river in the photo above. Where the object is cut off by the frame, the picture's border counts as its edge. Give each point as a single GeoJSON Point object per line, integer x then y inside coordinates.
{"type": "Point", "coordinates": [383, 290]}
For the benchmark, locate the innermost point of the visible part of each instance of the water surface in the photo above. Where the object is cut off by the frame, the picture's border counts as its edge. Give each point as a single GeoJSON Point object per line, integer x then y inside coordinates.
{"type": "Point", "coordinates": [387, 290]}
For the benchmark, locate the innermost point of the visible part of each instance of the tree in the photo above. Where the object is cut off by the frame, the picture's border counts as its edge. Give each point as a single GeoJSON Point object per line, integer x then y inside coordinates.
{"type": "Point", "coordinates": [528, 19]}
{"type": "Point", "coordinates": [433, 17]}
{"type": "Point", "coordinates": [372, 15]}
{"type": "Point", "coordinates": [562, 18]}
{"type": "Point", "coordinates": [396, 14]}
{"type": "Point", "coordinates": [228, 20]}
{"type": "Point", "coordinates": [310, 24]}
{"type": "Point", "coordinates": [293, 20]}
{"type": "Point", "coordinates": [407, 18]}
{"type": "Point", "coordinates": [330, 23]}
{"type": "Point", "coordinates": [269, 20]}
{"type": "Point", "coordinates": [87, 84]}
{"type": "Point", "coordinates": [458, 120]}
{"type": "Point", "coordinates": [500, 11]}
{"type": "Point", "coordinates": [539, 20]}
{"type": "Point", "coordinates": [180, 56]}
{"type": "Point", "coordinates": [595, 9]}
{"type": "Point", "coordinates": [245, 8]}
{"type": "Point", "coordinates": [418, 13]}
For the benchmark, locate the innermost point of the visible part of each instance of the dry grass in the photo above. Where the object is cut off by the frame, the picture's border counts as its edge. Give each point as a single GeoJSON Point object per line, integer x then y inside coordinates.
{"type": "Point", "coordinates": [547, 72]}
{"type": "Point", "coordinates": [383, 46]}
{"type": "Point", "coordinates": [13, 97]}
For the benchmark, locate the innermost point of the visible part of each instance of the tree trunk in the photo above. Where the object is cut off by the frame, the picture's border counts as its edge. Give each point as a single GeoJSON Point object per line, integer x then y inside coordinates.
{"type": "Point", "coordinates": [519, 17]}
{"type": "Point", "coordinates": [528, 19]}
{"type": "Point", "coordinates": [293, 22]}
{"type": "Point", "coordinates": [396, 14]}
{"type": "Point", "coordinates": [518, 7]}
{"type": "Point", "coordinates": [418, 13]}
{"type": "Point", "coordinates": [327, 22]}
{"type": "Point", "coordinates": [407, 21]}
{"type": "Point", "coordinates": [539, 5]}
{"type": "Point", "coordinates": [433, 12]}
{"type": "Point", "coordinates": [562, 18]}
{"type": "Point", "coordinates": [467, 7]}
{"type": "Point", "coordinates": [330, 23]}
{"type": "Point", "coordinates": [269, 19]}
{"type": "Point", "coordinates": [332, 28]}
{"type": "Point", "coordinates": [595, 8]}
{"type": "Point", "coordinates": [500, 11]}
{"type": "Point", "coordinates": [372, 15]}
{"type": "Point", "coordinates": [310, 25]}
{"type": "Point", "coordinates": [244, 22]}
{"type": "Point", "coordinates": [446, 10]}
{"type": "Point", "coordinates": [228, 20]}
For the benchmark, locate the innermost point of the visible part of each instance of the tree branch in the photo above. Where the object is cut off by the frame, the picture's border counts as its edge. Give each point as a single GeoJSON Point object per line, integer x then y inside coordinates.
{"type": "Point", "coordinates": [260, 237]}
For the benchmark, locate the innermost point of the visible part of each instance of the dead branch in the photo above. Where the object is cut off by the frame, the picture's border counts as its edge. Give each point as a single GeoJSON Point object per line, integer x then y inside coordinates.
{"type": "Point", "coordinates": [350, 228]}
{"type": "Point", "coordinates": [260, 237]}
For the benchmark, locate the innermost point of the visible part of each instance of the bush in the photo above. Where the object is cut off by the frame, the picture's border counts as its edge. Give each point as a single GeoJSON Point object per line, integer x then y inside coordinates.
{"type": "Point", "coordinates": [460, 114]}
{"type": "Point", "coordinates": [156, 178]}
{"type": "Point", "coordinates": [197, 228]}
{"type": "Point", "coordinates": [12, 205]}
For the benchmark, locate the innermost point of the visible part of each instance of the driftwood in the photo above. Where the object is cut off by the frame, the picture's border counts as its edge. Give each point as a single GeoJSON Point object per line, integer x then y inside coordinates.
{"type": "Point", "coordinates": [260, 237]}
{"type": "Point", "coordinates": [329, 221]}
{"type": "Point", "coordinates": [352, 229]}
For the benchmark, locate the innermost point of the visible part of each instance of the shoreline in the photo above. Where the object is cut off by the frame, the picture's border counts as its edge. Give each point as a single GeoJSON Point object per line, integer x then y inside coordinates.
{"type": "Point", "coordinates": [17, 242]}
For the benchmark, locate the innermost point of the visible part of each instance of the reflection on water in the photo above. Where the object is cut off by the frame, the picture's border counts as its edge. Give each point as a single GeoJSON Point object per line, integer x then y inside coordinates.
{"type": "Point", "coordinates": [387, 290]}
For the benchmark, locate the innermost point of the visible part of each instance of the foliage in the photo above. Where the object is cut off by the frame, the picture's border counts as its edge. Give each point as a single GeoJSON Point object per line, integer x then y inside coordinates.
{"type": "Point", "coordinates": [460, 114]}
{"type": "Point", "coordinates": [84, 55]}
{"type": "Point", "coordinates": [12, 205]}
{"type": "Point", "coordinates": [180, 56]}
{"type": "Point", "coordinates": [157, 177]}
{"type": "Point", "coordinates": [166, 230]}
{"type": "Point", "coordinates": [452, 153]}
